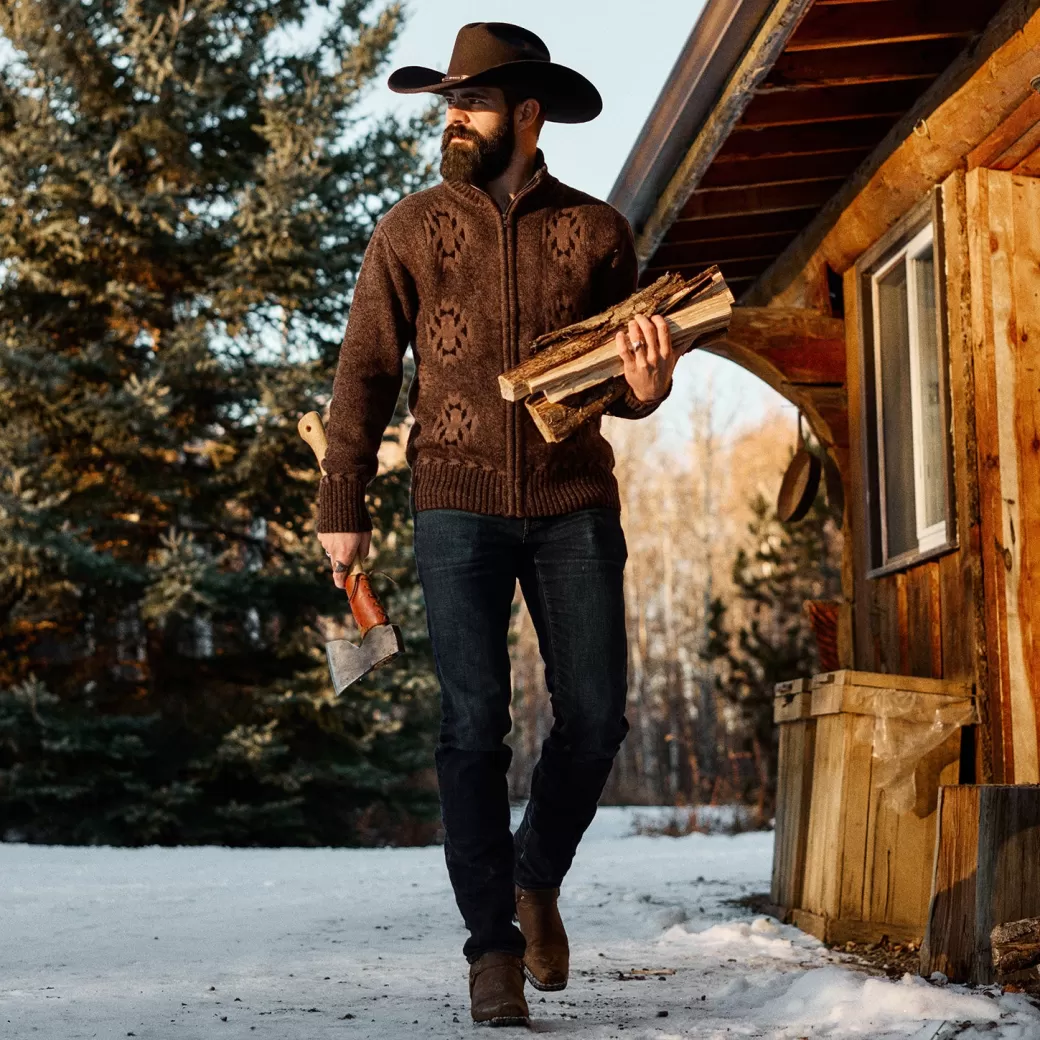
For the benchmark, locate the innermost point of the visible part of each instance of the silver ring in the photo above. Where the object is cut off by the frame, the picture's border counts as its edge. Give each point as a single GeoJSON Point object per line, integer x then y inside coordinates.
{"type": "Point", "coordinates": [638, 344]}
{"type": "Point", "coordinates": [339, 567]}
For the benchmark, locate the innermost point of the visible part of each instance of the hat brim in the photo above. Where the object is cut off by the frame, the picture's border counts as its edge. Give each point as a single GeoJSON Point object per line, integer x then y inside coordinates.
{"type": "Point", "coordinates": [566, 95]}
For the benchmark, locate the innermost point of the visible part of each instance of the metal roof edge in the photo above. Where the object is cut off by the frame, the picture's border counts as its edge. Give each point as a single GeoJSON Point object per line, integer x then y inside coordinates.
{"type": "Point", "coordinates": [715, 45]}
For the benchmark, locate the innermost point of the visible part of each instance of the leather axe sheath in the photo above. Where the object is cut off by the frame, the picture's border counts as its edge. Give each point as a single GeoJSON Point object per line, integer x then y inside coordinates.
{"type": "Point", "coordinates": [380, 640]}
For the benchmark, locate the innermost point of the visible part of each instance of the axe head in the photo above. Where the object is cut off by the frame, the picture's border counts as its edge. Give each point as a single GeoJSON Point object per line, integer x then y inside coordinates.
{"type": "Point", "coordinates": [349, 661]}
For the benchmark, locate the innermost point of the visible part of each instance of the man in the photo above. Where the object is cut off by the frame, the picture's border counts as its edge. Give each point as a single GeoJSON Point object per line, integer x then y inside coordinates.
{"type": "Point", "coordinates": [470, 272]}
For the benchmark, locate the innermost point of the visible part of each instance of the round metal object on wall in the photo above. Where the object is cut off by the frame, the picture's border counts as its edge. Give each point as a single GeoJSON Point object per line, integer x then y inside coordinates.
{"type": "Point", "coordinates": [800, 483]}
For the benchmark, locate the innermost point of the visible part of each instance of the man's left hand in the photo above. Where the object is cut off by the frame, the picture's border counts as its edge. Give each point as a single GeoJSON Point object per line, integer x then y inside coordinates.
{"type": "Point", "coordinates": [646, 350]}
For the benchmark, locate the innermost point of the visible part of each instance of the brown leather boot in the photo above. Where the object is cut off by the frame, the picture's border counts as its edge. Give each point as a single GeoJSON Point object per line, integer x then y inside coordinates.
{"type": "Point", "coordinates": [496, 990]}
{"type": "Point", "coordinates": [547, 957]}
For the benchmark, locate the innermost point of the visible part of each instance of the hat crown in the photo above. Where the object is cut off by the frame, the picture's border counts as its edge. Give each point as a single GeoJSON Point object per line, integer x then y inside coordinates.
{"type": "Point", "coordinates": [483, 45]}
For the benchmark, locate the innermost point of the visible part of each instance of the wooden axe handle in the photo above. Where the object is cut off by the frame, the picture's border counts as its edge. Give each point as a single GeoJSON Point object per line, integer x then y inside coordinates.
{"type": "Point", "coordinates": [364, 604]}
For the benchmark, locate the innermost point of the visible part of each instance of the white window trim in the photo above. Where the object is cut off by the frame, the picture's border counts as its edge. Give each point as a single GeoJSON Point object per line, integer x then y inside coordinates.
{"type": "Point", "coordinates": [935, 536]}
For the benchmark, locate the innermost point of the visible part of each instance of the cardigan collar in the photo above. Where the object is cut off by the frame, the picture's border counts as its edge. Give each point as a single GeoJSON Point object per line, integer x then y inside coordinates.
{"type": "Point", "coordinates": [538, 182]}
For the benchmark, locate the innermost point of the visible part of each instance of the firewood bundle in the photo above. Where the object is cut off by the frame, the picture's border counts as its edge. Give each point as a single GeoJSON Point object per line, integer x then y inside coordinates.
{"type": "Point", "coordinates": [576, 371]}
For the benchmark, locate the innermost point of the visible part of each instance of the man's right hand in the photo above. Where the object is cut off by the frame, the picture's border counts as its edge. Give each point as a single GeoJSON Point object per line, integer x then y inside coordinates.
{"type": "Point", "coordinates": [344, 546]}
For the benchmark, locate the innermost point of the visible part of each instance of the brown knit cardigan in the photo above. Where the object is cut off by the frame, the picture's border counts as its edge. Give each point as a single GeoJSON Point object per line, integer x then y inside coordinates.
{"type": "Point", "coordinates": [470, 287]}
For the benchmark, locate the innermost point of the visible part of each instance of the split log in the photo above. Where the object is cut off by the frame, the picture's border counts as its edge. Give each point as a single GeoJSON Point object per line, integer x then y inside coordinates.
{"type": "Point", "coordinates": [1016, 945]}
{"type": "Point", "coordinates": [670, 294]}
{"type": "Point", "coordinates": [710, 313]}
{"type": "Point", "coordinates": [557, 420]}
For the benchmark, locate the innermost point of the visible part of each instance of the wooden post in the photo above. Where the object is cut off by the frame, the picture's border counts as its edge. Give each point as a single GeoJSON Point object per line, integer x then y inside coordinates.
{"type": "Point", "coordinates": [987, 873]}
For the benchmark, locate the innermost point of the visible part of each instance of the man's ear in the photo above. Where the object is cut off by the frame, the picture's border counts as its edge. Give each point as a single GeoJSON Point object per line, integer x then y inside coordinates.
{"type": "Point", "coordinates": [528, 111]}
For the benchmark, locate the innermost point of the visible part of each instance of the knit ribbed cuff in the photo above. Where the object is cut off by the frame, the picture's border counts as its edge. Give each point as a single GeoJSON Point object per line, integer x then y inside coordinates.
{"type": "Point", "coordinates": [630, 407]}
{"type": "Point", "coordinates": [341, 505]}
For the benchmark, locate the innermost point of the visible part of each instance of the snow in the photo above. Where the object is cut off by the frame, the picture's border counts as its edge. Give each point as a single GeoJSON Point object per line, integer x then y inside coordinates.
{"type": "Point", "coordinates": [313, 943]}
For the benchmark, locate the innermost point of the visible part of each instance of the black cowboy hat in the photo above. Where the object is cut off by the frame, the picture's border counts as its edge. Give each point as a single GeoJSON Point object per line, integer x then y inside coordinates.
{"type": "Point", "coordinates": [500, 54]}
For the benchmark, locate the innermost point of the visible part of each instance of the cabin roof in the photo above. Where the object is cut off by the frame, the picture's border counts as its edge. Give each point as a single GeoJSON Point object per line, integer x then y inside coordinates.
{"type": "Point", "coordinates": [768, 112]}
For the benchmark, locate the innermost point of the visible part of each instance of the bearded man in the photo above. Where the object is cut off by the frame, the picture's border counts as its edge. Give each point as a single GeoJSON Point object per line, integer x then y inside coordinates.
{"type": "Point", "coordinates": [469, 273]}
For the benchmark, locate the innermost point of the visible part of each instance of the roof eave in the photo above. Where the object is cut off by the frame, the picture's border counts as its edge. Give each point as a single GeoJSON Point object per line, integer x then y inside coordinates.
{"type": "Point", "coordinates": [716, 44]}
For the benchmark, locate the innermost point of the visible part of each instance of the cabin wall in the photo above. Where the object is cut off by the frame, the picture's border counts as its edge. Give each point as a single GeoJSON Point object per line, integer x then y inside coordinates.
{"type": "Point", "coordinates": [973, 613]}
{"type": "Point", "coordinates": [925, 620]}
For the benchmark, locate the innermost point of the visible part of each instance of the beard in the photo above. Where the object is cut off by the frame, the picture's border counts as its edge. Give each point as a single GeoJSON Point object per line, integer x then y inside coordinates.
{"type": "Point", "coordinates": [483, 160]}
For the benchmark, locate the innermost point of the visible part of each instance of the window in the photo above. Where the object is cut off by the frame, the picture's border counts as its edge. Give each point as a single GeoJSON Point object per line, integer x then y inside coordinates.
{"type": "Point", "coordinates": [905, 407]}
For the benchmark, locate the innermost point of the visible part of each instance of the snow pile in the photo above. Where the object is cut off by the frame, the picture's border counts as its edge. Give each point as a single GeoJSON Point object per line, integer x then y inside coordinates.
{"type": "Point", "coordinates": [837, 1001]}
{"type": "Point", "coordinates": [744, 940]}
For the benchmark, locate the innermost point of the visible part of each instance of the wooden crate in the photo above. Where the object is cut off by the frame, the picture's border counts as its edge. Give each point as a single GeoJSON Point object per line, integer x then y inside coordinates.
{"type": "Point", "coordinates": [791, 712]}
{"type": "Point", "coordinates": [987, 872]}
{"type": "Point", "coordinates": [868, 867]}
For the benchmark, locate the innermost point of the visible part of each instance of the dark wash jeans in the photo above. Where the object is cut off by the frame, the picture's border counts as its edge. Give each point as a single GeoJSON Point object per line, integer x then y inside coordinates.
{"type": "Point", "coordinates": [570, 569]}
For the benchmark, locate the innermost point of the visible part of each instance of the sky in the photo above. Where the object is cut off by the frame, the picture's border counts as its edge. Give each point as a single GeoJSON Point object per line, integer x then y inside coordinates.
{"type": "Point", "coordinates": [628, 56]}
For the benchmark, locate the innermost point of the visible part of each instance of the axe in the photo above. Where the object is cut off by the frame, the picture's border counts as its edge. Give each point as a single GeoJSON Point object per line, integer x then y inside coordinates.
{"type": "Point", "coordinates": [380, 640]}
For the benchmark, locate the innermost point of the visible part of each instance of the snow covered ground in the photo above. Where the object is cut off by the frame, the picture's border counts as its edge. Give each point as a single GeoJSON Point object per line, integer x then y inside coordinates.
{"type": "Point", "coordinates": [315, 943]}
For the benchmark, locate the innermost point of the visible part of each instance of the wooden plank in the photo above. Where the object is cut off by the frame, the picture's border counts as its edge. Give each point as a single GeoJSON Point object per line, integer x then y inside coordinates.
{"type": "Point", "coordinates": [852, 867]}
{"type": "Point", "coordinates": [838, 931]}
{"type": "Point", "coordinates": [891, 21]}
{"type": "Point", "coordinates": [988, 474]}
{"type": "Point", "coordinates": [821, 884]}
{"type": "Point", "coordinates": [914, 849]}
{"type": "Point", "coordinates": [920, 619]}
{"type": "Point", "coordinates": [775, 198]}
{"type": "Point", "coordinates": [1011, 262]}
{"type": "Point", "coordinates": [723, 228]}
{"type": "Point", "coordinates": [792, 707]}
{"type": "Point", "coordinates": [789, 108]}
{"type": "Point", "coordinates": [964, 607]}
{"type": "Point", "coordinates": [796, 751]}
{"type": "Point", "coordinates": [949, 940]}
{"type": "Point", "coordinates": [686, 253]}
{"type": "Point", "coordinates": [1030, 165]}
{"type": "Point", "coordinates": [808, 140]}
{"type": "Point", "coordinates": [1014, 139]}
{"type": "Point", "coordinates": [974, 94]}
{"type": "Point", "coordinates": [903, 621]}
{"type": "Point", "coordinates": [789, 169]}
{"type": "Point", "coordinates": [759, 56]}
{"type": "Point", "coordinates": [839, 66]}
{"type": "Point", "coordinates": [1008, 880]}
{"type": "Point", "coordinates": [732, 269]}
{"type": "Point", "coordinates": [855, 551]}
{"type": "Point", "coordinates": [887, 681]}
{"type": "Point", "coordinates": [907, 705]}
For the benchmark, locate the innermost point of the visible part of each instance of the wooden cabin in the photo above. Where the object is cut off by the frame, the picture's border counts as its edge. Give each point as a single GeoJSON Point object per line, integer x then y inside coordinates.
{"type": "Point", "coordinates": [866, 173]}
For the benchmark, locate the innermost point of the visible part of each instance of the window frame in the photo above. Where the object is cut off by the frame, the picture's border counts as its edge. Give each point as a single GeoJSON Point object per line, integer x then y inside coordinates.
{"type": "Point", "coordinates": [909, 235]}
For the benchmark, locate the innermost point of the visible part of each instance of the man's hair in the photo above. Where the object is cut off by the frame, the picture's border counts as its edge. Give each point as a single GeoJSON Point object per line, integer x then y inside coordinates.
{"type": "Point", "coordinates": [514, 95]}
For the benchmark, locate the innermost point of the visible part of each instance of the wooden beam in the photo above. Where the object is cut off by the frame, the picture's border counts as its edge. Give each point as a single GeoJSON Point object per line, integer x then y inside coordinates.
{"type": "Point", "coordinates": [892, 21]}
{"type": "Point", "coordinates": [800, 354]}
{"type": "Point", "coordinates": [976, 93]}
{"type": "Point", "coordinates": [686, 253]}
{"type": "Point", "coordinates": [731, 269]}
{"type": "Point", "coordinates": [776, 198]}
{"type": "Point", "coordinates": [813, 139]}
{"type": "Point", "coordinates": [859, 101]}
{"type": "Point", "coordinates": [757, 173]}
{"type": "Point", "coordinates": [1011, 142]}
{"type": "Point", "coordinates": [845, 66]}
{"type": "Point", "coordinates": [724, 228]}
{"type": "Point", "coordinates": [760, 55]}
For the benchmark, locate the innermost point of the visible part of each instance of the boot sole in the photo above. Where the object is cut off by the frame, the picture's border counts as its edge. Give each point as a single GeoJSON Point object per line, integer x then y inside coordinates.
{"type": "Point", "coordinates": [545, 988]}
{"type": "Point", "coordinates": [504, 1020]}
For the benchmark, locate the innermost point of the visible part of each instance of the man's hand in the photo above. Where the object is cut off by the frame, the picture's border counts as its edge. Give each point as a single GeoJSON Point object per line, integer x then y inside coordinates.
{"type": "Point", "coordinates": [344, 546]}
{"type": "Point", "coordinates": [646, 350]}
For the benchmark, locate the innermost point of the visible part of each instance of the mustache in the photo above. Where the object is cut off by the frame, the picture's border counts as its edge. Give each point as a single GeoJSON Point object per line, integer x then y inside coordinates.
{"type": "Point", "coordinates": [457, 130]}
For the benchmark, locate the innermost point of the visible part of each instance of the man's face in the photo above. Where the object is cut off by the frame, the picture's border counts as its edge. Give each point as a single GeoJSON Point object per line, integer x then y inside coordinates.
{"type": "Point", "coordinates": [478, 140]}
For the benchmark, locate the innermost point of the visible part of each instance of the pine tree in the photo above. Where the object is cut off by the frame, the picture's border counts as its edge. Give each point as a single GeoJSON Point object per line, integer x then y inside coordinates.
{"type": "Point", "coordinates": [764, 637]}
{"type": "Point", "coordinates": [185, 206]}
